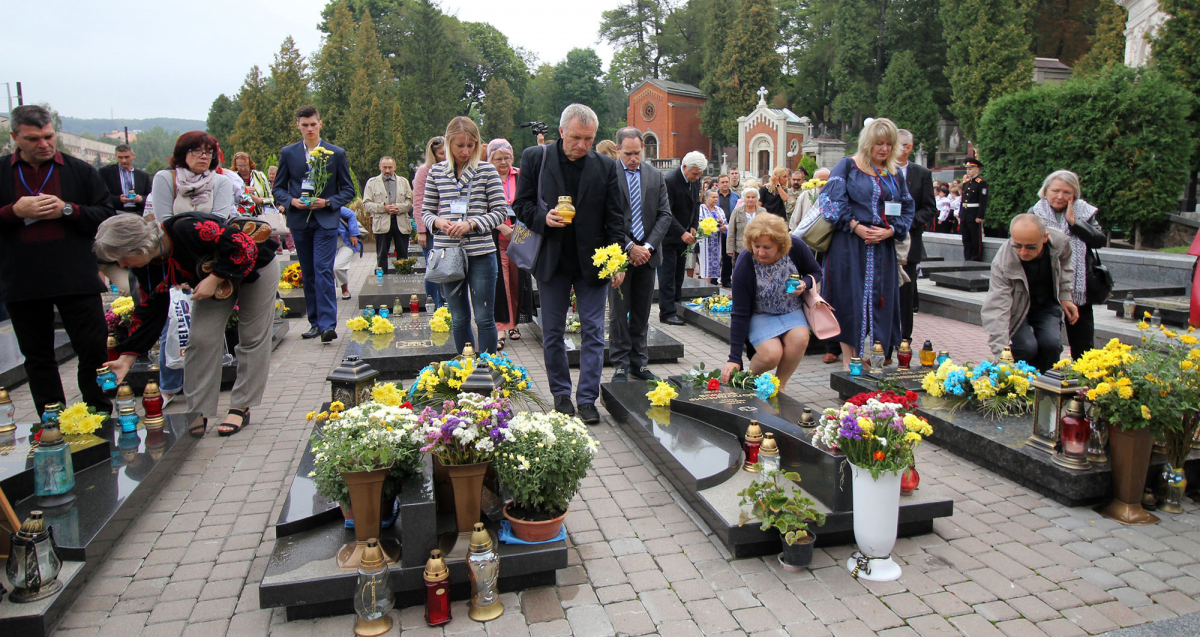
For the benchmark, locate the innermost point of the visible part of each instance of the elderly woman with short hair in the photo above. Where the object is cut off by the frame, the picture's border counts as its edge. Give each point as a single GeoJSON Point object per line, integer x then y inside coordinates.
{"type": "Point", "coordinates": [764, 313]}
{"type": "Point", "coordinates": [224, 267]}
{"type": "Point", "coordinates": [745, 212]}
{"type": "Point", "coordinates": [514, 289]}
{"type": "Point", "coordinates": [1061, 206]}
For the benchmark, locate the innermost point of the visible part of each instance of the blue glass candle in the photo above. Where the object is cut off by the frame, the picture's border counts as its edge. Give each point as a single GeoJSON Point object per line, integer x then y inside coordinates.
{"type": "Point", "coordinates": [384, 311]}
{"type": "Point", "coordinates": [856, 366]}
{"type": "Point", "coordinates": [128, 420]}
{"type": "Point", "coordinates": [53, 470]}
{"type": "Point", "coordinates": [379, 276]}
{"type": "Point", "coordinates": [51, 412]}
{"type": "Point", "coordinates": [106, 379]}
{"type": "Point", "coordinates": [943, 356]}
{"type": "Point", "coordinates": [369, 312]}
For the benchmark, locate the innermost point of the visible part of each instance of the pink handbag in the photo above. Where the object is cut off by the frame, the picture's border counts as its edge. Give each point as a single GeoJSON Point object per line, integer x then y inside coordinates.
{"type": "Point", "coordinates": [820, 315]}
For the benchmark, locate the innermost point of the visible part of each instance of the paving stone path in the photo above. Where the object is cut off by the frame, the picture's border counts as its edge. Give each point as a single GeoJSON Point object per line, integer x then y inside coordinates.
{"type": "Point", "coordinates": [1008, 562]}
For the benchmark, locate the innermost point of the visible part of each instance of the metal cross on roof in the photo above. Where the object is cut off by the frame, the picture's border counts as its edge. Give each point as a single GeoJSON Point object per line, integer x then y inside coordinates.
{"type": "Point", "coordinates": [762, 93]}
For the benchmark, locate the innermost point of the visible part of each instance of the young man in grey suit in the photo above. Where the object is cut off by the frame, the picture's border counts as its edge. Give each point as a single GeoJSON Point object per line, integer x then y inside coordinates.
{"type": "Point", "coordinates": [646, 222]}
{"type": "Point", "coordinates": [570, 167]}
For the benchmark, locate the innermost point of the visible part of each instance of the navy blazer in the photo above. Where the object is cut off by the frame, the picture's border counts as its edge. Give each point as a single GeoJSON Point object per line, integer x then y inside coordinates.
{"type": "Point", "coordinates": [339, 190]}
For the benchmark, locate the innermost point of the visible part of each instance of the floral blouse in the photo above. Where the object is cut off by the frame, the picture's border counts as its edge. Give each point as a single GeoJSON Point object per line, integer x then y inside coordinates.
{"type": "Point", "coordinates": [771, 297]}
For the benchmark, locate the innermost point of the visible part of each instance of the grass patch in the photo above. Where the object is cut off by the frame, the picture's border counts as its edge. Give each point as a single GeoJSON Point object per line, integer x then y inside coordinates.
{"type": "Point", "coordinates": [1175, 250]}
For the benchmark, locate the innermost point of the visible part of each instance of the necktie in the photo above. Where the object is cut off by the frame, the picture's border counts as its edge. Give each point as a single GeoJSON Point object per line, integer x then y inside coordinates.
{"type": "Point", "coordinates": [635, 203]}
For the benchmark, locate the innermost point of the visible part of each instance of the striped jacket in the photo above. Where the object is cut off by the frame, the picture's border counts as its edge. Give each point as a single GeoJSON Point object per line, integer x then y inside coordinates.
{"type": "Point", "coordinates": [486, 209]}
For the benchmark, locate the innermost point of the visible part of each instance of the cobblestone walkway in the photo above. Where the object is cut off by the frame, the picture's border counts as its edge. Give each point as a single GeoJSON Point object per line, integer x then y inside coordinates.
{"type": "Point", "coordinates": [1008, 561]}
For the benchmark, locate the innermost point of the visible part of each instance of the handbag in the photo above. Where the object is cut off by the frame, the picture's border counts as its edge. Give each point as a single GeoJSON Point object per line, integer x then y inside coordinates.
{"type": "Point", "coordinates": [524, 245]}
{"type": "Point", "coordinates": [275, 219]}
{"type": "Point", "coordinates": [447, 265]}
{"type": "Point", "coordinates": [819, 314]}
{"type": "Point", "coordinates": [1099, 279]}
{"type": "Point", "coordinates": [820, 235]}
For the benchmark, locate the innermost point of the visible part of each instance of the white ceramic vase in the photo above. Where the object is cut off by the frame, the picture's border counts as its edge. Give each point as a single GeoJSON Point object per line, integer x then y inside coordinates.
{"type": "Point", "coordinates": [876, 517]}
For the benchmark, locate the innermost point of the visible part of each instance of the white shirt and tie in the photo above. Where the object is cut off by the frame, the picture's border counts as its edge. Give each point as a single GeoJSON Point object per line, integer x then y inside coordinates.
{"type": "Point", "coordinates": [633, 177]}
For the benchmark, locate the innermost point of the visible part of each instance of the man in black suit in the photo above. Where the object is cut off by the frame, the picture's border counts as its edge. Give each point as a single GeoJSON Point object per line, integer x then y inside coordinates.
{"type": "Point", "coordinates": [570, 167]}
{"type": "Point", "coordinates": [683, 190]}
{"type": "Point", "coordinates": [128, 188]}
{"type": "Point", "coordinates": [920, 186]}
{"type": "Point", "coordinates": [646, 222]}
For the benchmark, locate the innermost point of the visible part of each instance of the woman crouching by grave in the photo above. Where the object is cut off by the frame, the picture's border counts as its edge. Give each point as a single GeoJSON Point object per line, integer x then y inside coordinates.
{"type": "Point", "coordinates": [768, 279]}
{"type": "Point", "coordinates": [1062, 208]}
{"type": "Point", "coordinates": [227, 264]}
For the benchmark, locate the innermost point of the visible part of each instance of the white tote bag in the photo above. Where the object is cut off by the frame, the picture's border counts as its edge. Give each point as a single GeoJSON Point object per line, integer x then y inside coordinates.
{"type": "Point", "coordinates": [179, 326]}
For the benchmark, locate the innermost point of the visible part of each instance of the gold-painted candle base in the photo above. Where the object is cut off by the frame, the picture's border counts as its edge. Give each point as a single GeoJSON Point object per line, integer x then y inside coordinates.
{"type": "Point", "coordinates": [349, 556]}
{"type": "Point", "coordinates": [373, 628]}
{"type": "Point", "coordinates": [486, 613]}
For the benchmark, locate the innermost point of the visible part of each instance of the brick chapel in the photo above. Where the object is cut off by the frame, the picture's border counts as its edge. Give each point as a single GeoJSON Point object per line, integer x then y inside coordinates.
{"type": "Point", "coordinates": [668, 114]}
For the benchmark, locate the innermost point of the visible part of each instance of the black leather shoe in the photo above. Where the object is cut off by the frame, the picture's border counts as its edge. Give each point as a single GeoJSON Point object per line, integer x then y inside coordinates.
{"type": "Point", "coordinates": [328, 335]}
{"type": "Point", "coordinates": [311, 333]}
{"type": "Point", "coordinates": [621, 375]}
{"type": "Point", "coordinates": [562, 404]}
{"type": "Point", "coordinates": [588, 413]}
{"type": "Point", "coordinates": [643, 374]}
{"type": "Point", "coordinates": [673, 320]}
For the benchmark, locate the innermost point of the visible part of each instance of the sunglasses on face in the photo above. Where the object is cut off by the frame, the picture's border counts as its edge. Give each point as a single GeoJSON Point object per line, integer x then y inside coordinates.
{"type": "Point", "coordinates": [1028, 247]}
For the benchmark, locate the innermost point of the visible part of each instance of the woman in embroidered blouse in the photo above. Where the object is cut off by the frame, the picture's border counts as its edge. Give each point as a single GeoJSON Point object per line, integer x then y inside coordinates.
{"type": "Point", "coordinates": [869, 205]}
{"type": "Point", "coordinates": [763, 311]}
{"type": "Point", "coordinates": [710, 248]}
{"type": "Point", "coordinates": [224, 267]}
{"type": "Point", "coordinates": [464, 202]}
{"type": "Point", "coordinates": [256, 182]}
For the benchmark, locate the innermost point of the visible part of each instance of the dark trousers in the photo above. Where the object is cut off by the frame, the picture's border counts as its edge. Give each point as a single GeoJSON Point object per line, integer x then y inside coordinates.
{"type": "Point", "coordinates": [1082, 335]}
{"type": "Point", "coordinates": [1038, 341]}
{"type": "Point", "coordinates": [383, 245]}
{"type": "Point", "coordinates": [83, 319]}
{"type": "Point", "coordinates": [670, 280]}
{"type": "Point", "coordinates": [317, 248]}
{"type": "Point", "coordinates": [972, 240]}
{"type": "Point", "coordinates": [908, 301]}
{"type": "Point", "coordinates": [726, 265]}
{"type": "Point", "coordinates": [629, 320]}
{"type": "Point", "coordinates": [556, 300]}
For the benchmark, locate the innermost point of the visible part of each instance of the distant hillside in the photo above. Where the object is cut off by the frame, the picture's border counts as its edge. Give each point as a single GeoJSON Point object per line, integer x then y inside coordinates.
{"type": "Point", "coordinates": [100, 126]}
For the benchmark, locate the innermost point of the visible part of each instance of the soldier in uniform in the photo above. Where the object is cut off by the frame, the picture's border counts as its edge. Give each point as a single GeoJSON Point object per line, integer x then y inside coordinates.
{"type": "Point", "coordinates": [974, 207]}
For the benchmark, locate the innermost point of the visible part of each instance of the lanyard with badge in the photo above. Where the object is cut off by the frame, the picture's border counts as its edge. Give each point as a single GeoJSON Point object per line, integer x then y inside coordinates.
{"type": "Point", "coordinates": [459, 206]}
{"type": "Point", "coordinates": [21, 174]}
{"type": "Point", "coordinates": [890, 208]}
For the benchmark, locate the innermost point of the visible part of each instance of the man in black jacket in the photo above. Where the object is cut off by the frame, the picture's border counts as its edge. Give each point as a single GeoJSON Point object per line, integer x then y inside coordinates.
{"type": "Point", "coordinates": [683, 189]}
{"type": "Point", "coordinates": [920, 186]}
{"type": "Point", "coordinates": [569, 167]}
{"type": "Point", "coordinates": [642, 185]}
{"type": "Point", "coordinates": [128, 188]}
{"type": "Point", "coordinates": [50, 207]}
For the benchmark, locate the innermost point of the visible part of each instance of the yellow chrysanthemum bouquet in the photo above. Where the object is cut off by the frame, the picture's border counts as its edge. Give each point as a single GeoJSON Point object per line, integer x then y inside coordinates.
{"type": "Point", "coordinates": [441, 321]}
{"type": "Point", "coordinates": [611, 260]}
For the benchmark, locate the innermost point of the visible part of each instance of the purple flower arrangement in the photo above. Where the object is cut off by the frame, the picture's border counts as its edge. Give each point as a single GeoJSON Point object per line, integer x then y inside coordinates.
{"type": "Point", "coordinates": [467, 430]}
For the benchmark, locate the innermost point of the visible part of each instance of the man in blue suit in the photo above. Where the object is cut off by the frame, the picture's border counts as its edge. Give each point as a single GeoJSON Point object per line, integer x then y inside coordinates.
{"type": "Point", "coordinates": [314, 225]}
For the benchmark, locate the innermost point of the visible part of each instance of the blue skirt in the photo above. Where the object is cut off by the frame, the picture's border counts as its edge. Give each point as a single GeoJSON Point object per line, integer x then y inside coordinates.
{"type": "Point", "coordinates": [767, 326]}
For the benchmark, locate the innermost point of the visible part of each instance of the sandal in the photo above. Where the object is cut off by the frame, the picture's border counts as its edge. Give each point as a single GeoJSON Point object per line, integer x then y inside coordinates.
{"type": "Point", "coordinates": [244, 413]}
{"type": "Point", "coordinates": [514, 334]}
{"type": "Point", "coordinates": [500, 345]}
{"type": "Point", "coordinates": [197, 430]}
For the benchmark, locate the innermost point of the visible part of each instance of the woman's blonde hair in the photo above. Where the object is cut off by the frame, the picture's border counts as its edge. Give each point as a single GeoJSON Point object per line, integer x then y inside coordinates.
{"type": "Point", "coordinates": [780, 175]}
{"type": "Point", "coordinates": [459, 126]}
{"type": "Point", "coordinates": [771, 226]}
{"type": "Point", "coordinates": [434, 142]}
{"type": "Point", "coordinates": [881, 128]}
{"type": "Point", "coordinates": [608, 148]}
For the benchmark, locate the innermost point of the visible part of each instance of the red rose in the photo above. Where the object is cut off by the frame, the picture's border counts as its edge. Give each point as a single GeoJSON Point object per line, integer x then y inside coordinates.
{"type": "Point", "coordinates": [209, 230]}
{"type": "Point", "coordinates": [714, 384]}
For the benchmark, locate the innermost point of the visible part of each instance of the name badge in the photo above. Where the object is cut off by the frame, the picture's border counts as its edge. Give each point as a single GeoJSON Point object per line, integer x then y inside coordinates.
{"type": "Point", "coordinates": [458, 207]}
{"type": "Point", "coordinates": [306, 184]}
{"type": "Point", "coordinates": [891, 208]}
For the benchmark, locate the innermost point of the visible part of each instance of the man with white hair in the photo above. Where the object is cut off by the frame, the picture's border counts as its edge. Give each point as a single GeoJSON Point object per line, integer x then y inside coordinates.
{"type": "Point", "coordinates": [570, 168]}
{"type": "Point", "coordinates": [683, 189]}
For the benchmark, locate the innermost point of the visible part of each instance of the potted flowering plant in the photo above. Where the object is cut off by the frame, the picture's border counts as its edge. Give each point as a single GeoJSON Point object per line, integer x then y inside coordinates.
{"type": "Point", "coordinates": [544, 458]}
{"type": "Point", "coordinates": [878, 440]}
{"type": "Point", "coordinates": [789, 513]}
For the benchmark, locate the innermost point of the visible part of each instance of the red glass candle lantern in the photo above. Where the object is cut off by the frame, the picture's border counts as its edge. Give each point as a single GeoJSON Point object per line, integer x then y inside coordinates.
{"type": "Point", "coordinates": [152, 400]}
{"type": "Point", "coordinates": [905, 355]}
{"type": "Point", "coordinates": [112, 347]}
{"type": "Point", "coordinates": [909, 480]}
{"type": "Point", "coordinates": [414, 305]}
{"type": "Point", "coordinates": [1075, 431]}
{"type": "Point", "coordinates": [437, 590]}
{"type": "Point", "coordinates": [751, 444]}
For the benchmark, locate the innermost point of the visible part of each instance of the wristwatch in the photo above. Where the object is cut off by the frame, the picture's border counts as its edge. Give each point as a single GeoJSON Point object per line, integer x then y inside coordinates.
{"type": "Point", "coordinates": [67, 210]}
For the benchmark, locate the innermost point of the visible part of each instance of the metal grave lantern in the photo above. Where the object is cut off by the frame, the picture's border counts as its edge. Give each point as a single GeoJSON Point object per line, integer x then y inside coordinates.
{"type": "Point", "coordinates": [33, 562]}
{"type": "Point", "coordinates": [351, 382]}
{"type": "Point", "coordinates": [7, 413]}
{"type": "Point", "coordinates": [483, 380]}
{"type": "Point", "coordinates": [1051, 395]}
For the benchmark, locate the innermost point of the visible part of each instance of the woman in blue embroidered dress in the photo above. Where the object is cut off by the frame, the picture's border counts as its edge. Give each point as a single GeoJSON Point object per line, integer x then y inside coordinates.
{"type": "Point", "coordinates": [709, 262]}
{"type": "Point", "coordinates": [870, 207]}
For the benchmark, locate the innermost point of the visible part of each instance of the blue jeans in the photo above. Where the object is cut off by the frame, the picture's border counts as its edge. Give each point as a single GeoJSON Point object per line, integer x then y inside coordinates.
{"type": "Point", "coordinates": [317, 248]}
{"type": "Point", "coordinates": [433, 291]}
{"type": "Point", "coordinates": [481, 285]}
{"type": "Point", "coordinates": [170, 381]}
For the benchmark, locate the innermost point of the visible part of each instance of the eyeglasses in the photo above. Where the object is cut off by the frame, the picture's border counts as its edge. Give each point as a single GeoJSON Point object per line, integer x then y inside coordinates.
{"type": "Point", "coordinates": [1028, 247]}
{"type": "Point", "coordinates": [200, 152]}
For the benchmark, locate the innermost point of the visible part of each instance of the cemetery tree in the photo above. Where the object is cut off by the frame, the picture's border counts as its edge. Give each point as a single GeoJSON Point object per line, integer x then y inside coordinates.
{"type": "Point", "coordinates": [716, 115]}
{"type": "Point", "coordinates": [499, 110]}
{"type": "Point", "coordinates": [400, 149]}
{"type": "Point", "coordinates": [1108, 45]}
{"type": "Point", "coordinates": [855, 34]}
{"type": "Point", "coordinates": [806, 31]}
{"type": "Point", "coordinates": [367, 130]}
{"type": "Point", "coordinates": [431, 88]}
{"type": "Point", "coordinates": [905, 98]}
{"type": "Point", "coordinates": [750, 60]}
{"type": "Point", "coordinates": [913, 27]}
{"type": "Point", "coordinates": [251, 131]}
{"type": "Point", "coordinates": [684, 31]}
{"type": "Point", "coordinates": [539, 105]}
{"type": "Point", "coordinates": [578, 79]}
{"type": "Point", "coordinates": [286, 92]}
{"type": "Point", "coordinates": [638, 25]}
{"type": "Point", "coordinates": [222, 117]}
{"type": "Point", "coordinates": [333, 69]}
{"type": "Point", "coordinates": [1060, 29]}
{"type": "Point", "coordinates": [1126, 132]}
{"type": "Point", "coordinates": [1174, 44]}
{"type": "Point", "coordinates": [489, 56]}
{"type": "Point", "coordinates": [987, 55]}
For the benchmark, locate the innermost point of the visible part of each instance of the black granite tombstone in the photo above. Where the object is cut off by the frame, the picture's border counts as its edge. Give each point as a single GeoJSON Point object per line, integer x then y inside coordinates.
{"type": "Point", "coordinates": [140, 373]}
{"type": "Point", "coordinates": [293, 299]}
{"type": "Point", "coordinates": [935, 267]}
{"type": "Point", "coordinates": [661, 346]}
{"type": "Point", "coordinates": [12, 363]}
{"type": "Point", "coordinates": [717, 324]}
{"type": "Point", "coordinates": [1174, 310]}
{"type": "Point", "coordinates": [395, 288]}
{"type": "Point", "coordinates": [971, 281]}
{"type": "Point", "coordinates": [403, 352]}
{"type": "Point", "coordinates": [16, 458]}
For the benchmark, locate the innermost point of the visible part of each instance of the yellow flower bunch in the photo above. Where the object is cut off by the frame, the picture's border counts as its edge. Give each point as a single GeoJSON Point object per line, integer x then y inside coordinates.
{"type": "Point", "coordinates": [358, 324]}
{"type": "Point", "coordinates": [916, 424]}
{"type": "Point", "coordinates": [285, 286]}
{"type": "Point", "coordinates": [76, 419]}
{"type": "Point", "coordinates": [387, 394]}
{"type": "Point", "coordinates": [292, 276]}
{"type": "Point", "coordinates": [380, 325]}
{"type": "Point", "coordinates": [123, 306]}
{"type": "Point", "coordinates": [662, 394]}
{"type": "Point", "coordinates": [441, 320]}
{"type": "Point", "coordinates": [813, 183]}
{"type": "Point", "coordinates": [868, 427]}
{"type": "Point", "coordinates": [707, 228]}
{"type": "Point", "coordinates": [610, 259]}
{"type": "Point", "coordinates": [983, 388]}
{"type": "Point", "coordinates": [1145, 413]}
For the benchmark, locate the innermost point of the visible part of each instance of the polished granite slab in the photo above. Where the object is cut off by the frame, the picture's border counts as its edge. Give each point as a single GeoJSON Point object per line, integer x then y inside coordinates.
{"type": "Point", "coordinates": [1174, 310]}
{"type": "Point", "coordinates": [293, 299]}
{"type": "Point", "coordinates": [404, 352]}
{"type": "Point", "coordinates": [935, 267]}
{"type": "Point", "coordinates": [16, 458]}
{"type": "Point", "coordinates": [1122, 287]}
{"type": "Point", "coordinates": [395, 287]}
{"type": "Point", "coordinates": [12, 363]}
{"type": "Point", "coordinates": [717, 324]}
{"type": "Point", "coordinates": [696, 443]}
{"type": "Point", "coordinates": [302, 576]}
{"type": "Point", "coordinates": [660, 346]}
{"type": "Point", "coordinates": [109, 497]}
{"type": "Point", "coordinates": [971, 281]}
{"type": "Point", "coordinates": [140, 373]}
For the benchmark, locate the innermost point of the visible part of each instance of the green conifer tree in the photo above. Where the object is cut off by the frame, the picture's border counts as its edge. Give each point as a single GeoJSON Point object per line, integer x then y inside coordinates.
{"type": "Point", "coordinates": [288, 91]}
{"type": "Point", "coordinates": [853, 72]}
{"type": "Point", "coordinates": [400, 150]}
{"type": "Point", "coordinates": [431, 89]}
{"type": "Point", "coordinates": [1108, 45]}
{"type": "Point", "coordinates": [367, 131]}
{"type": "Point", "coordinates": [222, 117]}
{"type": "Point", "coordinates": [251, 132]}
{"type": "Point", "coordinates": [333, 71]}
{"type": "Point", "coordinates": [499, 110]}
{"type": "Point", "coordinates": [716, 115]}
{"type": "Point", "coordinates": [905, 98]}
{"type": "Point", "coordinates": [750, 60]}
{"type": "Point", "coordinates": [1174, 44]}
{"type": "Point", "coordinates": [987, 55]}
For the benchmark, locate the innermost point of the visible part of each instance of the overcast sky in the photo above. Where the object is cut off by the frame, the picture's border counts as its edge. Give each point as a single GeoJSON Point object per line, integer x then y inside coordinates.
{"type": "Point", "coordinates": [144, 58]}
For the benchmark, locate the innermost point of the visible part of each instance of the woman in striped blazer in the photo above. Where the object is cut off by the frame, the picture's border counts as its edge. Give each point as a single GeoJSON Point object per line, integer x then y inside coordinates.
{"type": "Point", "coordinates": [464, 202]}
